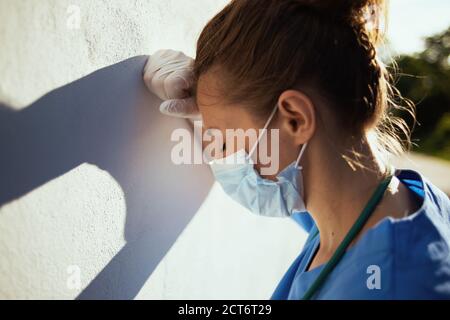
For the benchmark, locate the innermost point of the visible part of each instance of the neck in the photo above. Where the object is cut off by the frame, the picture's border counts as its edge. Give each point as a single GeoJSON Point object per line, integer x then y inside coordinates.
{"type": "Point", "coordinates": [338, 193]}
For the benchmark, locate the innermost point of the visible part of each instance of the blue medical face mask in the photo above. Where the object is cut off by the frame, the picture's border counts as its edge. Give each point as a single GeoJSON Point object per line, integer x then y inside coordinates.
{"type": "Point", "coordinates": [239, 179]}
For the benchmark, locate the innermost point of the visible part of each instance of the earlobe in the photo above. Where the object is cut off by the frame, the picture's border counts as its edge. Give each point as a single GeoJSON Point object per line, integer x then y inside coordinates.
{"type": "Point", "coordinates": [298, 115]}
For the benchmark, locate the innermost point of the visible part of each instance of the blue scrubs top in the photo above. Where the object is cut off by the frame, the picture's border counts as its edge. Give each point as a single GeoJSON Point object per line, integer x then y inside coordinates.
{"type": "Point", "coordinates": [407, 258]}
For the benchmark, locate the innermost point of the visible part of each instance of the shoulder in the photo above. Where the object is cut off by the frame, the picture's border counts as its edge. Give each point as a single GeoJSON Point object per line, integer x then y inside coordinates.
{"type": "Point", "coordinates": [409, 257]}
{"type": "Point", "coordinates": [421, 243]}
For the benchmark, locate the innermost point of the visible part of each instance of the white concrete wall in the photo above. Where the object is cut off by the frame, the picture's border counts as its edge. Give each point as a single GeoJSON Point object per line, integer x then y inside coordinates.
{"type": "Point", "coordinates": [86, 182]}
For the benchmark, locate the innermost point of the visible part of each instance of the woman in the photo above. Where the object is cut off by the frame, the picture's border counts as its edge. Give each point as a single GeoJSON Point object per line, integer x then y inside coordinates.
{"type": "Point", "coordinates": [310, 69]}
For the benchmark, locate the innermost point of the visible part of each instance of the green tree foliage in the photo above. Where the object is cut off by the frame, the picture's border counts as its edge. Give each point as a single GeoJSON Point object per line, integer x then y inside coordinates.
{"type": "Point", "coordinates": [425, 79]}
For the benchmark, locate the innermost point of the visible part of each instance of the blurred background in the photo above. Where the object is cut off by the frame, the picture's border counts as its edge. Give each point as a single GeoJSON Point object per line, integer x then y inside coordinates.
{"type": "Point", "coordinates": [419, 41]}
{"type": "Point", "coordinates": [90, 204]}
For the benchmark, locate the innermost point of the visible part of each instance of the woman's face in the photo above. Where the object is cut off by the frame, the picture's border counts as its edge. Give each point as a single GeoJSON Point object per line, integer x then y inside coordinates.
{"type": "Point", "coordinates": [239, 124]}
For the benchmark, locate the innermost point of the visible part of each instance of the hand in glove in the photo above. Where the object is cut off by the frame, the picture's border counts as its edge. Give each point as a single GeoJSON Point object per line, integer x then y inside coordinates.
{"type": "Point", "coordinates": [169, 75]}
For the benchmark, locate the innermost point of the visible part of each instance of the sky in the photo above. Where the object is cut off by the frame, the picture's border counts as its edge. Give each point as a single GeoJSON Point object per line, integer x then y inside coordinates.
{"type": "Point", "coordinates": [412, 20]}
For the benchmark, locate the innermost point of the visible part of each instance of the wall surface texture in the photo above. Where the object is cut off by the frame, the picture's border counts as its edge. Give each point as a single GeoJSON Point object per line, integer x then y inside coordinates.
{"type": "Point", "coordinates": [90, 204]}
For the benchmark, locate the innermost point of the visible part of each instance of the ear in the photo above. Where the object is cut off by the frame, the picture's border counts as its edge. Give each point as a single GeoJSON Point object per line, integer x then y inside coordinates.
{"type": "Point", "coordinates": [297, 115]}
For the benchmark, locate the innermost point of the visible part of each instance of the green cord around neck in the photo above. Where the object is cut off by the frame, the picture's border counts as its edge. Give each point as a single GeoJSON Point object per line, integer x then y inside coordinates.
{"type": "Point", "coordinates": [355, 229]}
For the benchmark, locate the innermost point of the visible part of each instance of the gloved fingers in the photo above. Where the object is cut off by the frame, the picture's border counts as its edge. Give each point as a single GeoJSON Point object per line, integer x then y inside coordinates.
{"type": "Point", "coordinates": [162, 58]}
{"type": "Point", "coordinates": [182, 108]}
{"type": "Point", "coordinates": [168, 74]}
{"type": "Point", "coordinates": [150, 69]}
{"type": "Point", "coordinates": [154, 80]}
{"type": "Point", "coordinates": [178, 84]}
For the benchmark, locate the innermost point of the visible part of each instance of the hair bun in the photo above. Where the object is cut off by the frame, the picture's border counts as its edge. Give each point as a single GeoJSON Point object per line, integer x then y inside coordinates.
{"type": "Point", "coordinates": [357, 13]}
{"type": "Point", "coordinates": [349, 10]}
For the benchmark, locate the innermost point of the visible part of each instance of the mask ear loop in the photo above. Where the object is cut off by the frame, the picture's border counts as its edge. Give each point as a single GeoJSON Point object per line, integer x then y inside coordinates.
{"type": "Point", "coordinates": [264, 130]}
{"type": "Point", "coordinates": [300, 155]}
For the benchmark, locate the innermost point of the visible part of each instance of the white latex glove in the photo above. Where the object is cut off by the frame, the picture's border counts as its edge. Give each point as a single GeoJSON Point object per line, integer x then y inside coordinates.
{"type": "Point", "coordinates": [169, 75]}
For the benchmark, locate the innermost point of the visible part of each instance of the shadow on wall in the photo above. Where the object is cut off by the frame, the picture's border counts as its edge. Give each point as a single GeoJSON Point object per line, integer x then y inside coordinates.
{"type": "Point", "coordinates": [109, 119]}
